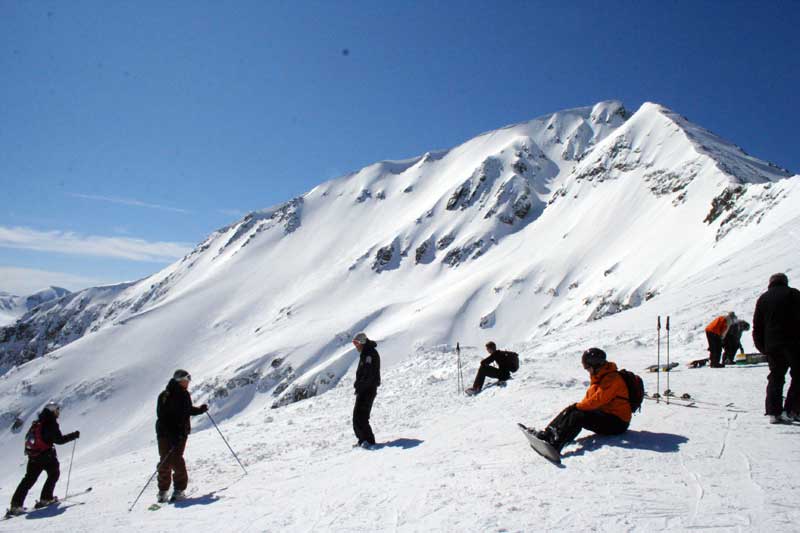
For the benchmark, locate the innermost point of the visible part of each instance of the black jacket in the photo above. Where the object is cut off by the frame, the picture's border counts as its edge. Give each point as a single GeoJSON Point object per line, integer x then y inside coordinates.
{"type": "Point", "coordinates": [501, 357]}
{"type": "Point", "coordinates": [51, 432]}
{"type": "Point", "coordinates": [173, 409]}
{"type": "Point", "coordinates": [368, 374]}
{"type": "Point", "coordinates": [776, 321]}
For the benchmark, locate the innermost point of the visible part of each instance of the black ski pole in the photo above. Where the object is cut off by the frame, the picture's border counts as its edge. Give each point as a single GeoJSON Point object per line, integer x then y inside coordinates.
{"type": "Point", "coordinates": [160, 464]}
{"type": "Point", "coordinates": [69, 473]}
{"type": "Point", "coordinates": [459, 378]}
{"type": "Point", "coordinates": [668, 368]}
{"type": "Point", "coordinates": [658, 360]}
{"type": "Point", "coordinates": [226, 442]}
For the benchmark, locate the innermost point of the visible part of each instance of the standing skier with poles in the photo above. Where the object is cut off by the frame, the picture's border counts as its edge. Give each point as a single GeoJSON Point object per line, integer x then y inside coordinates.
{"type": "Point", "coordinates": [39, 447]}
{"type": "Point", "coordinates": [368, 379]}
{"type": "Point", "coordinates": [173, 410]}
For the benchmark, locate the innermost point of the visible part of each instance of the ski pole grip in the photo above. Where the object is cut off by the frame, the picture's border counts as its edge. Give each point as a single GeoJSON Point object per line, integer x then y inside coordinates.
{"type": "Point", "coordinates": [659, 322]}
{"type": "Point", "coordinates": [667, 321]}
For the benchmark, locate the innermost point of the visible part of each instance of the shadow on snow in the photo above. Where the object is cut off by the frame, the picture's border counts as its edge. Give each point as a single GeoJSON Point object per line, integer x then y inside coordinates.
{"type": "Point", "coordinates": [205, 499]}
{"type": "Point", "coordinates": [399, 443]}
{"type": "Point", "coordinates": [636, 440]}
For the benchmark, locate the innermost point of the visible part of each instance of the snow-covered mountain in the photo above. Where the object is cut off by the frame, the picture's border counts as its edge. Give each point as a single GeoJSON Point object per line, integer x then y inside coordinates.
{"type": "Point", "coordinates": [548, 236]}
{"type": "Point", "coordinates": [13, 307]}
{"type": "Point", "coordinates": [519, 234]}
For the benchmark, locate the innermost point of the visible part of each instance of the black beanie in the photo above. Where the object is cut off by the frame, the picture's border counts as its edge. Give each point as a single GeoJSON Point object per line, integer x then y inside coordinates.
{"type": "Point", "coordinates": [778, 279]}
{"type": "Point", "coordinates": [593, 357]}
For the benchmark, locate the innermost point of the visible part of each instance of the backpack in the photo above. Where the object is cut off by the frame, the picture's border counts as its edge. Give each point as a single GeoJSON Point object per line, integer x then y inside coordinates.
{"type": "Point", "coordinates": [635, 389]}
{"type": "Point", "coordinates": [34, 443]}
{"type": "Point", "coordinates": [512, 361]}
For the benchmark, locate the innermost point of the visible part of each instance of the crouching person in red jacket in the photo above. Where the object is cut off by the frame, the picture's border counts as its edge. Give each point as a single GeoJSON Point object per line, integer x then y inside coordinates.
{"type": "Point", "coordinates": [605, 409]}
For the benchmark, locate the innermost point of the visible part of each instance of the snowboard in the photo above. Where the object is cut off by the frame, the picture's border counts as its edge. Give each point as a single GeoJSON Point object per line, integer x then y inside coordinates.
{"type": "Point", "coordinates": [545, 449]}
{"type": "Point", "coordinates": [661, 368]}
{"type": "Point", "coordinates": [751, 359]}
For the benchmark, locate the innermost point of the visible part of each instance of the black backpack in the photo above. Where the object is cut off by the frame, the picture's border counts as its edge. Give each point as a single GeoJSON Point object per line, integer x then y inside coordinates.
{"type": "Point", "coordinates": [512, 360]}
{"type": "Point", "coordinates": [635, 389]}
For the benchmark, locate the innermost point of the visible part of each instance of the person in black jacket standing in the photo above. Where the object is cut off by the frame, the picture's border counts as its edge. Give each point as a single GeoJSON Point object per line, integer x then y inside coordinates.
{"type": "Point", "coordinates": [507, 362]}
{"type": "Point", "coordinates": [368, 379]}
{"type": "Point", "coordinates": [776, 333]}
{"type": "Point", "coordinates": [39, 447]}
{"type": "Point", "coordinates": [172, 429]}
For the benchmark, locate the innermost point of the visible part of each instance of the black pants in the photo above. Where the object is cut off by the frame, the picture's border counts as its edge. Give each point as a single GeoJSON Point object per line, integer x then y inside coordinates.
{"type": "Point", "coordinates": [569, 422]}
{"type": "Point", "coordinates": [47, 462]}
{"type": "Point", "coordinates": [714, 348]}
{"type": "Point", "coordinates": [361, 412]}
{"type": "Point", "coordinates": [489, 371]}
{"type": "Point", "coordinates": [779, 362]}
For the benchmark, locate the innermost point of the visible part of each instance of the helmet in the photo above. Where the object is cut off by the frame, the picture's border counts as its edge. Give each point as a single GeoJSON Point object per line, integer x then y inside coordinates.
{"type": "Point", "coordinates": [361, 338]}
{"type": "Point", "coordinates": [181, 375]}
{"type": "Point", "coordinates": [593, 357]}
{"type": "Point", "coordinates": [53, 407]}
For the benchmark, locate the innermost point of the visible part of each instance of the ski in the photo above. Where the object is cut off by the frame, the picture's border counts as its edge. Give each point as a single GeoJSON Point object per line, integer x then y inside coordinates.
{"type": "Point", "coordinates": [80, 492]}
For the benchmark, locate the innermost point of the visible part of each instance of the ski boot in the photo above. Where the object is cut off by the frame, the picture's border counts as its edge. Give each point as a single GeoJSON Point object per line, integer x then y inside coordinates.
{"type": "Point", "coordinates": [178, 496]}
{"type": "Point", "coordinates": [163, 496]}
{"type": "Point", "coordinates": [45, 503]}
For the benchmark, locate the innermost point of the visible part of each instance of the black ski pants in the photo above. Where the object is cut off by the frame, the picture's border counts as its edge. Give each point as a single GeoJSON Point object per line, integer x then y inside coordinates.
{"type": "Point", "coordinates": [780, 361]}
{"type": "Point", "coordinates": [714, 348]}
{"type": "Point", "coordinates": [361, 413]}
{"type": "Point", "coordinates": [569, 422]}
{"type": "Point", "coordinates": [489, 371]}
{"type": "Point", "coordinates": [45, 462]}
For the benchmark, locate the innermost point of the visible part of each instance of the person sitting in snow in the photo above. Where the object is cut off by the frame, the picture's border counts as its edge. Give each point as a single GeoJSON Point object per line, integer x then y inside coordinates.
{"type": "Point", "coordinates": [715, 332]}
{"type": "Point", "coordinates": [368, 379]}
{"type": "Point", "coordinates": [605, 408]}
{"type": "Point", "coordinates": [507, 362]}
{"type": "Point", "coordinates": [39, 447]}
{"type": "Point", "coordinates": [173, 409]}
{"type": "Point", "coordinates": [732, 342]}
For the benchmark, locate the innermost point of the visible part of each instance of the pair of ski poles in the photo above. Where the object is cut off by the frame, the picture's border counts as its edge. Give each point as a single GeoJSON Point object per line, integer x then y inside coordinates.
{"type": "Point", "coordinates": [160, 464]}
{"type": "Point", "coordinates": [658, 360]}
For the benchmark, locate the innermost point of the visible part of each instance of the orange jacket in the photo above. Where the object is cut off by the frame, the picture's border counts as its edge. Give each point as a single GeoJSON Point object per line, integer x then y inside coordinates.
{"type": "Point", "coordinates": [607, 393]}
{"type": "Point", "coordinates": [719, 326]}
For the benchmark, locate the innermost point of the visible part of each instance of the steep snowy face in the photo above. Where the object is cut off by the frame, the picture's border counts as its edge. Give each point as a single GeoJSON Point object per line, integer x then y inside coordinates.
{"type": "Point", "coordinates": [517, 234]}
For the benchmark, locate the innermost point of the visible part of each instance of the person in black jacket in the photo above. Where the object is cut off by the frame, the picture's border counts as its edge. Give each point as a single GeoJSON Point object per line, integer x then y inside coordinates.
{"type": "Point", "coordinates": [368, 379]}
{"type": "Point", "coordinates": [732, 342]}
{"type": "Point", "coordinates": [172, 429]}
{"type": "Point", "coordinates": [41, 452]}
{"type": "Point", "coordinates": [776, 333]}
{"type": "Point", "coordinates": [505, 365]}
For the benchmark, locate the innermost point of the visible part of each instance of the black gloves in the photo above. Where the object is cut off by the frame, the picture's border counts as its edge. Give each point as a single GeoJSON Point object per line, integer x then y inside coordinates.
{"type": "Point", "coordinates": [75, 435]}
{"type": "Point", "coordinates": [204, 408]}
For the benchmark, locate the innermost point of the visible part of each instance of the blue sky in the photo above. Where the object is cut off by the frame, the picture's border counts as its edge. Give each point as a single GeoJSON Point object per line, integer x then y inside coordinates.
{"type": "Point", "coordinates": [131, 130]}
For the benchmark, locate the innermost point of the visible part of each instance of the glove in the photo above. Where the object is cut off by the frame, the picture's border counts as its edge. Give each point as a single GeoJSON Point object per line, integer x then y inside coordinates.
{"type": "Point", "coordinates": [76, 434]}
{"type": "Point", "coordinates": [204, 408]}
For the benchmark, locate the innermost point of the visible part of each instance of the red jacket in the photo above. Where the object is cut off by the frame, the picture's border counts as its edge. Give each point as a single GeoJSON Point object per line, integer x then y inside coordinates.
{"type": "Point", "coordinates": [608, 393]}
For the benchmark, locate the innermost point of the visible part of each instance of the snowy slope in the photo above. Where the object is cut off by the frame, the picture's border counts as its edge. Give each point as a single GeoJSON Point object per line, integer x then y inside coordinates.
{"type": "Point", "coordinates": [570, 230]}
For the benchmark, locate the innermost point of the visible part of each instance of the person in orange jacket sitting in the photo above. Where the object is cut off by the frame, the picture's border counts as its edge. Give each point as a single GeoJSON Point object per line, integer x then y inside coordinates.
{"type": "Point", "coordinates": [605, 409]}
{"type": "Point", "coordinates": [715, 332]}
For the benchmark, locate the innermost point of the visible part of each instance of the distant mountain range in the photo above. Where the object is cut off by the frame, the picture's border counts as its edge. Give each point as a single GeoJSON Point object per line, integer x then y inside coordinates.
{"type": "Point", "coordinates": [13, 307]}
